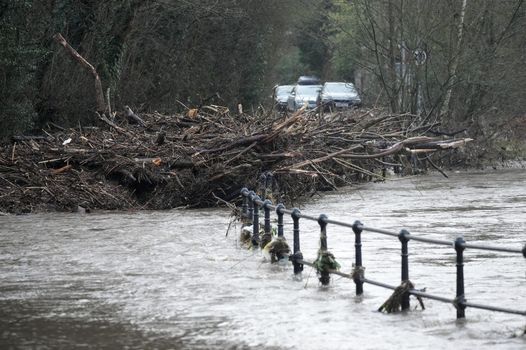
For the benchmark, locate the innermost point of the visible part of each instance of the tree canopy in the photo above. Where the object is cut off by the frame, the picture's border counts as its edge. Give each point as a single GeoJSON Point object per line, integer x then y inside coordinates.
{"type": "Point", "coordinates": [166, 54]}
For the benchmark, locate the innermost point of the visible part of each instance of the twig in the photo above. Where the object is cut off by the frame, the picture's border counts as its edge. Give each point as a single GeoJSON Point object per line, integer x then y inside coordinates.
{"type": "Point", "coordinates": [241, 153]}
{"type": "Point", "coordinates": [436, 167]}
{"type": "Point", "coordinates": [13, 153]}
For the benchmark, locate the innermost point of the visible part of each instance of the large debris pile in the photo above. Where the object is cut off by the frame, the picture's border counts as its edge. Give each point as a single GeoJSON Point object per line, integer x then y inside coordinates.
{"type": "Point", "coordinates": [190, 160]}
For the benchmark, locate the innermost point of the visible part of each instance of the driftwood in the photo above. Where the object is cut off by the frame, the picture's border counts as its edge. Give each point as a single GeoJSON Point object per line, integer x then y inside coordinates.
{"type": "Point", "coordinates": [132, 117]}
{"type": "Point", "coordinates": [112, 124]}
{"type": "Point", "coordinates": [191, 161]}
{"type": "Point", "coordinates": [61, 170]}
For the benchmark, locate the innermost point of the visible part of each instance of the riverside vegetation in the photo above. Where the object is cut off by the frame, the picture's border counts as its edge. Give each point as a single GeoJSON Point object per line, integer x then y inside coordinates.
{"type": "Point", "coordinates": [450, 71]}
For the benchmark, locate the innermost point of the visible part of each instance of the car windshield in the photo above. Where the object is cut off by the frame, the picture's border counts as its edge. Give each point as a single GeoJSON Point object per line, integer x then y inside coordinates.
{"type": "Point", "coordinates": [284, 90]}
{"type": "Point", "coordinates": [340, 88]}
{"type": "Point", "coordinates": [307, 90]}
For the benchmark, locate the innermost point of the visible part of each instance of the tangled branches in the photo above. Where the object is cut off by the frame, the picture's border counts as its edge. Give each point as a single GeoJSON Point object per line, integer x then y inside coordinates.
{"type": "Point", "coordinates": [195, 159]}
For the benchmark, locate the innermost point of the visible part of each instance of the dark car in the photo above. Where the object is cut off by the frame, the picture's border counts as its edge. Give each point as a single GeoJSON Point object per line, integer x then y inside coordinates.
{"type": "Point", "coordinates": [308, 80]}
{"type": "Point", "coordinates": [339, 95]}
{"type": "Point", "coordinates": [281, 95]}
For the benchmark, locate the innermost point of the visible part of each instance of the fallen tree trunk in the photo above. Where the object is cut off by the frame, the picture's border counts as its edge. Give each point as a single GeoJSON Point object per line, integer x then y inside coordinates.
{"type": "Point", "coordinates": [391, 150]}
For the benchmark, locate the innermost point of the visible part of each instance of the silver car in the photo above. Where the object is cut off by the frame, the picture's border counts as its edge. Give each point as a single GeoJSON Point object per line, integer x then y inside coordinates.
{"type": "Point", "coordinates": [303, 95]}
{"type": "Point", "coordinates": [339, 95]}
{"type": "Point", "coordinates": [281, 95]}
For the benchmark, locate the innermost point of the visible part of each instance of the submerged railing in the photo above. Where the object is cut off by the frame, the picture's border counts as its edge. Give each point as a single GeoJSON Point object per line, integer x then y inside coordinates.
{"type": "Point", "coordinates": [252, 204]}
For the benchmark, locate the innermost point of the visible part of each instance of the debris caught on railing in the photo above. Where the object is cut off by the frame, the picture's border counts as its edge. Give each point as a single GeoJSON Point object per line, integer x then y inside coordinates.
{"type": "Point", "coordinates": [278, 249]}
{"type": "Point", "coordinates": [324, 263]}
{"type": "Point", "coordinates": [358, 272]}
{"type": "Point", "coordinates": [394, 302]}
{"type": "Point", "coordinates": [245, 236]}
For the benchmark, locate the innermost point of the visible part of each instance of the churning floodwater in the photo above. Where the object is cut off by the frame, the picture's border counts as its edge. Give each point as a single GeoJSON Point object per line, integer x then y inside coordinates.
{"type": "Point", "coordinates": [173, 280]}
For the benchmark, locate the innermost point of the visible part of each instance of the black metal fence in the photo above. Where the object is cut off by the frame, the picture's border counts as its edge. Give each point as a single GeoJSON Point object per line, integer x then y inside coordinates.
{"type": "Point", "coordinates": [252, 204]}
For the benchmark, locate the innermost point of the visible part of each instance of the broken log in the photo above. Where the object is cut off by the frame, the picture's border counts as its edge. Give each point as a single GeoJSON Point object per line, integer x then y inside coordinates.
{"type": "Point", "coordinates": [132, 117]}
{"type": "Point", "coordinates": [443, 144]}
{"type": "Point", "coordinates": [61, 170]}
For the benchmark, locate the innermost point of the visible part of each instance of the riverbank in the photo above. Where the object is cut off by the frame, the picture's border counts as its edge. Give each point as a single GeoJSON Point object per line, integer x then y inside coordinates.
{"type": "Point", "coordinates": [155, 161]}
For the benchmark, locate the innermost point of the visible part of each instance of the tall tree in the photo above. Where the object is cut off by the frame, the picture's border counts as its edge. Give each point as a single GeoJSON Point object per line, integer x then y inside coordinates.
{"type": "Point", "coordinates": [19, 55]}
{"type": "Point", "coordinates": [456, 56]}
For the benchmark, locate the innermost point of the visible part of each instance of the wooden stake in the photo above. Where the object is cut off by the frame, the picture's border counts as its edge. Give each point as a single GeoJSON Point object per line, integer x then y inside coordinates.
{"type": "Point", "coordinates": [13, 153]}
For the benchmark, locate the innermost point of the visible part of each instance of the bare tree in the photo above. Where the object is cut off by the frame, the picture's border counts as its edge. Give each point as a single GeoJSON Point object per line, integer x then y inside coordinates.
{"type": "Point", "coordinates": [456, 55]}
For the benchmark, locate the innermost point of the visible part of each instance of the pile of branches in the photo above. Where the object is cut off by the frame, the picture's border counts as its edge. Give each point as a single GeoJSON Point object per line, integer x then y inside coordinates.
{"type": "Point", "coordinates": [157, 161]}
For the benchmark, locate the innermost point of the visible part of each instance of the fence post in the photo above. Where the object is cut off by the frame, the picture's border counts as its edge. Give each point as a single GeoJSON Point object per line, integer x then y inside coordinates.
{"type": "Point", "coordinates": [460, 298]}
{"type": "Point", "coordinates": [244, 206]}
{"type": "Point", "coordinates": [255, 224]}
{"type": "Point", "coordinates": [325, 276]}
{"type": "Point", "coordinates": [357, 229]}
{"type": "Point", "coordinates": [298, 267]}
{"type": "Point", "coordinates": [250, 198]}
{"type": "Point", "coordinates": [266, 238]}
{"type": "Point", "coordinates": [279, 209]}
{"type": "Point", "coordinates": [267, 215]}
{"type": "Point", "coordinates": [404, 239]}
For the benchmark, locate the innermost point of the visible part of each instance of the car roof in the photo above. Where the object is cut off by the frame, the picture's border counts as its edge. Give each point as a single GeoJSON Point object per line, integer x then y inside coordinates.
{"type": "Point", "coordinates": [338, 83]}
{"type": "Point", "coordinates": [329, 84]}
{"type": "Point", "coordinates": [308, 80]}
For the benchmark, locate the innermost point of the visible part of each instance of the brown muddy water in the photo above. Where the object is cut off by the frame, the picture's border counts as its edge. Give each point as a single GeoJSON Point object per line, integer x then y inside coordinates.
{"type": "Point", "coordinates": [172, 280]}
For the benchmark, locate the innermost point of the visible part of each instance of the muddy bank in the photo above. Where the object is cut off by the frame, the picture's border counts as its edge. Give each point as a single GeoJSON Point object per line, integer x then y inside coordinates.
{"type": "Point", "coordinates": [155, 161]}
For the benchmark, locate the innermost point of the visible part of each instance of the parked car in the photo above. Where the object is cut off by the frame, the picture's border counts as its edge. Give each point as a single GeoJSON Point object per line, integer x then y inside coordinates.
{"type": "Point", "coordinates": [303, 94]}
{"type": "Point", "coordinates": [308, 80]}
{"type": "Point", "coordinates": [339, 95]}
{"type": "Point", "coordinates": [281, 95]}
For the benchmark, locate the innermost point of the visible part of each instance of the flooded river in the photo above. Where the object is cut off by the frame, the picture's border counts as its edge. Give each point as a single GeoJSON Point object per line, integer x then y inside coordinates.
{"type": "Point", "coordinates": [172, 280]}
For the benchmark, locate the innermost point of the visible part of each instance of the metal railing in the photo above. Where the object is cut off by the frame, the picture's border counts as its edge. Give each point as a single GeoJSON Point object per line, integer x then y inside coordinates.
{"type": "Point", "coordinates": [252, 204]}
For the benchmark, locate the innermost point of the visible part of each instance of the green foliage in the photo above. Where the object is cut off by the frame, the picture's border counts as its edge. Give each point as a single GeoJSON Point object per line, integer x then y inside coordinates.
{"type": "Point", "coordinates": [346, 52]}
{"type": "Point", "coordinates": [312, 38]}
{"type": "Point", "coordinates": [224, 49]}
{"type": "Point", "coordinates": [325, 262]}
{"type": "Point", "coordinates": [150, 53]}
{"type": "Point", "coordinates": [289, 67]}
{"type": "Point", "coordinates": [18, 58]}
{"type": "Point", "coordinates": [161, 54]}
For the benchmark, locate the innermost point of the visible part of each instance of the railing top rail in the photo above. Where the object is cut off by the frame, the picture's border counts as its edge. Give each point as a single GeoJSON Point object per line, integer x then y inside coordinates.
{"type": "Point", "coordinates": [495, 249]}
{"type": "Point", "coordinates": [257, 200]}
